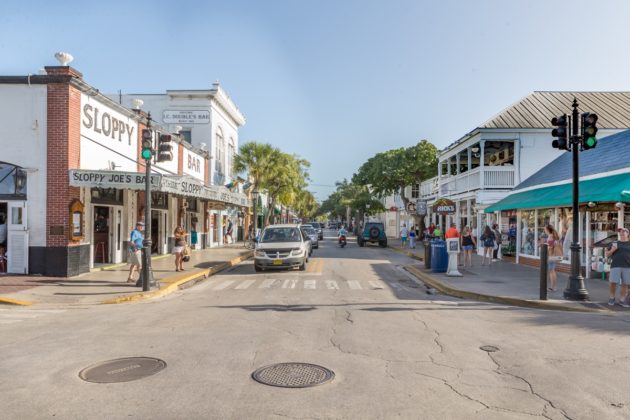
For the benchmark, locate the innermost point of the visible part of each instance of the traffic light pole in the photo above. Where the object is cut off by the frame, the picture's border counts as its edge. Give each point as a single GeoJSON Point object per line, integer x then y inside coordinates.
{"type": "Point", "coordinates": [575, 289]}
{"type": "Point", "coordinates": [147, 273]}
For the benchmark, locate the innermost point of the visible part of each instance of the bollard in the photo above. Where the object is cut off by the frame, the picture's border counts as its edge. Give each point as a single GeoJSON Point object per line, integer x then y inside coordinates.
{"type": "Point", "coordinates": [544, 257]}
{"type": "Point", "coordinates": [427, 254]}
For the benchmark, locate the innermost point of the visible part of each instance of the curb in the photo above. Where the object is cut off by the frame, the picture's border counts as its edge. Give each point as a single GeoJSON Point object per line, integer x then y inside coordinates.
{"type": "Point", "coordinates": [9, 301]}
{"type": "Point", "coordinates": [407, 253]}
{"type": "Point", "coordinates": [535, 304]}
{"type": "Point", "coordinates": [174, 283]}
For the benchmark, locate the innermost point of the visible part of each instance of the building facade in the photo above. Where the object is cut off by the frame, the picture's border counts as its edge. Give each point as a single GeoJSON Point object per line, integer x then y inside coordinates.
{"type": "Point", "coordinates": [72, 183]}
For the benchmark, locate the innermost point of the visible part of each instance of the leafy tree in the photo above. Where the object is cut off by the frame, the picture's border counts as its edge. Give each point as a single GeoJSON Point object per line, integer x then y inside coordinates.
{"type": "Point", "coordinates": [390, 172]}
{"type": "Point", "coordinates": [287, 176]}
{"type": "Point", "coordinates": [255, 159]}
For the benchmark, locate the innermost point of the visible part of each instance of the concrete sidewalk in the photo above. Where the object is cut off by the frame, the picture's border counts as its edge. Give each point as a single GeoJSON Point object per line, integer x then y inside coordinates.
{"type": "Point", "coordinates": [109, 285]}
{"type": "Point", "coordinates": [506, 282]}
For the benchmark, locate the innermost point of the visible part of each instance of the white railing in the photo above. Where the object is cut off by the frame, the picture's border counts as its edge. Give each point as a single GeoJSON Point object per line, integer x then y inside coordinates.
{"type": "Point", "coordinates": [493, 177]}
{"type": "Point", "coordinates": [429, 187]}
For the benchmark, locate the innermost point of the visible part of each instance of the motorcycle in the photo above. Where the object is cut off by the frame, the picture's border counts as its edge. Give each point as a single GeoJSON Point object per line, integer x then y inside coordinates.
{"type": "Point", "coordinates": [342, 240]}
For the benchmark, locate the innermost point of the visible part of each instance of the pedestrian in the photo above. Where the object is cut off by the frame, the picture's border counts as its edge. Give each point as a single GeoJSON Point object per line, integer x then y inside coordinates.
{"type": "Point", "coordinates": [468, 244]}
{"type": "Point", "coordinates": [452, 232]}
{"type": "Point", "coordinates": [412, 237]}
{"type": "Point", "coordinates": [488, 240]}
{"type": "Point", "coordinates": [194, 238]}
{"type": "Point", "coordinates": [403, 235]}
{"type": "Point", "coordinates": [619, 268]}
{"type": "Point", "coordinates": [135, 252]}
{"type": "Point", "coordinates": [437, 232]}
{"type": "Point", "coordinates": [497, 235]}
{"type": "Point", "coordinates": [230, 227]}
{"type": "Point", "coordinates": [554, 246]}
{"type": "Point", "coordinates": [431, 230]}
{"type": "Point", "coordinates": [178, 249]}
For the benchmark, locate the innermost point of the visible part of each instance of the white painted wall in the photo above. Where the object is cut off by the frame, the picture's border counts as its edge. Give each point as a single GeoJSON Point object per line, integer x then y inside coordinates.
{"type": "Point", "coordinates": [23, 142]}
{"type": "Point", "coordinates": [101, 143]}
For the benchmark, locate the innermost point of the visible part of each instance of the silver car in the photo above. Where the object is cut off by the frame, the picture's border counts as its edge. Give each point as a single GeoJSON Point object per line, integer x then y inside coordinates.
{"type": "Point", "coordinates": [313, 235]}
{"type": "Point", "coordinates": [282, 246]}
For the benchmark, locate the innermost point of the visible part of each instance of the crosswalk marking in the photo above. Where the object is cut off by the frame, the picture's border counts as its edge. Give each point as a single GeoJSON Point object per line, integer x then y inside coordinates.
{"type": "Point", "coordinates": [245, 284]}
{"type": "Point", "coordinates": [223, 285]}
{"type": "Point", "coordinates": [375, 284]}
{"type": "Point", "coordinates": [12, 316]}
{"type": "Point", "coordinates": [309, 284]}
{"type": "Point", "coordinates": [266, 284]}
{"type": "Point", "coordinates": [354, 285]}
{"type": "Point", "coordinates": [331, 284]}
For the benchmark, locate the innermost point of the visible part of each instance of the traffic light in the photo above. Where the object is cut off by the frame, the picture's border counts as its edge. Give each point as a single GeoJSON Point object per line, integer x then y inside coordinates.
{"type": "Point", "coordinates": [165, 148]}
{"type": "Point", "coordinates": [147, 144]}
{"type": "Point", "coordinates": [561, 132]}
{"type": "Point", "coordinates": [589, 131]}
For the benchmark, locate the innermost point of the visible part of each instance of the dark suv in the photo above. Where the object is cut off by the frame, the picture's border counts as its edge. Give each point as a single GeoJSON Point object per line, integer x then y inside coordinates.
{"type": "Point", "coordinates": [373, 232]}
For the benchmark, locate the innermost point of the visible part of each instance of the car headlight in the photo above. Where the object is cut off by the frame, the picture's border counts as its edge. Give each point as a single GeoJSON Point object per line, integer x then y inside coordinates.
{"type": "Point", "coordinates": [296, 252]}
{"type": "Point", "coordinates": [259, 253]}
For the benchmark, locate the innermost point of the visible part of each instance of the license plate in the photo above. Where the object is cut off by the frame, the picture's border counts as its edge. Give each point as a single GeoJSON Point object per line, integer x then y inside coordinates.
{"type": "Point", "coordinates": [277, 262]}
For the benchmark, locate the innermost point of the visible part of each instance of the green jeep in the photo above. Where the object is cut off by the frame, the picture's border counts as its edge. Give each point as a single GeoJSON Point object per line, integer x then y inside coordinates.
{"type": "Point", "coordinates": [373, 232]}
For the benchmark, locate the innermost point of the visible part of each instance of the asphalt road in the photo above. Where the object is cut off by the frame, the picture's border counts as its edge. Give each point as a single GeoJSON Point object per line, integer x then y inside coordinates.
{"type": "Point", "coordinates": [396, 351]}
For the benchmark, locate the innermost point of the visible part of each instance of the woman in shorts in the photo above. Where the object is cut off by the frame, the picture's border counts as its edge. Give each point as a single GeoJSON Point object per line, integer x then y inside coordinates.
{"type": "Point", "coordinates": [468, 244]}
{"type": "Point", "coordinates": [178, 249]}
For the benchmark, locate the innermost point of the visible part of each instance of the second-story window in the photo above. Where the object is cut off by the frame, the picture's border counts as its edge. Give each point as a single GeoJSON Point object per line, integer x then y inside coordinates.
{"type": "Point", "coordinates": [186, 136]}
{"type": "Point", "coordinates": [231, 153]}
{"type": "Point", "coordinates": [220, 152]}
{"type": "Point", "coordinates": [415, 191]}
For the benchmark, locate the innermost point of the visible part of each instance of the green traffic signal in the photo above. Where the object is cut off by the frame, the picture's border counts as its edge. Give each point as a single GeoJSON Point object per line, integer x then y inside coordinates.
{"type": "Point", "coordinates": [589, 130]}
{"type": "Point", "coordinates": [146, 154]}
{"type": "Point", "coordinates": [590, 142]}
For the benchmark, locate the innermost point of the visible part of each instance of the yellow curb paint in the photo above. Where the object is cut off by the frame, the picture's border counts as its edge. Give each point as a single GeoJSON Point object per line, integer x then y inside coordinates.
{"type": "Point", "coordinates": [451, 291]}
{"type": "Point", "coordinates": [173, 282]}
{"type": "Point", "coordinates": [10, 301]}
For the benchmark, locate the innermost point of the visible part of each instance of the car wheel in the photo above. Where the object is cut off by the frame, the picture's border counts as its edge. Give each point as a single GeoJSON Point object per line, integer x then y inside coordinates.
{"type": "Point", "coordinates": [361, 243]}
{"type": "Point", "coordinates": [303, 266]}
{"type": "Point", "coordinates": [257, 268]}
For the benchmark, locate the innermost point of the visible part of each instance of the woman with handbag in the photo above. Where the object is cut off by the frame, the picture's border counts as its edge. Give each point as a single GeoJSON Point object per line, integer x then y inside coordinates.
{"type": "Point", "coordinates": [488, 240]}
{"type": "Point", "coordinates": [555, 254]}
{"type": "Point", "coordinates": [178, 249]}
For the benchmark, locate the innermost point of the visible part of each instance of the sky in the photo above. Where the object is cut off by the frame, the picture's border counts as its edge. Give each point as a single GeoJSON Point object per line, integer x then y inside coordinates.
{"type": "Point", "coordinates": [334, 82]}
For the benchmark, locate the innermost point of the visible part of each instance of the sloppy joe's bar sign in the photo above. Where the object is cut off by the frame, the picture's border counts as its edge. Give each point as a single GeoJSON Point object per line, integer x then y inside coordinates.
{"type": "Point", "coordinates": [185, 186]}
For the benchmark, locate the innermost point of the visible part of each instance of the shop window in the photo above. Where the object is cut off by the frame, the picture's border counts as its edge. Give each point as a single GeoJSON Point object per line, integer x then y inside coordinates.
{"type": "Point", "coordinates": [107, 196]}
{"type": "Point", "coordinates": [186, 135]}
{"type": "Point", "coordinates": [545, 217]}
{"type": "Point", "coordinates": [159, 200]}
{"type": "Point", "coordinates": [444, 168]}
{"type": "Point", "coordinates": [528, 232]}
{"type": "Point", "coordinates": [475, 156]}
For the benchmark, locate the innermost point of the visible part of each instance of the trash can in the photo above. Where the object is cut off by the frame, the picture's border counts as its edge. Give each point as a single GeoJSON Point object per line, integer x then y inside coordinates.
{"type": "Point", "coordinates": [427, 254]}
{"type": "Point", "coordinates": [439, 256]}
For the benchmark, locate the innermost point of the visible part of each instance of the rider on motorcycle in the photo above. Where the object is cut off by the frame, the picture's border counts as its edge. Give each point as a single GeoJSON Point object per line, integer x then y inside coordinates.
{"type": "Point", "coordinates": [342, 232]}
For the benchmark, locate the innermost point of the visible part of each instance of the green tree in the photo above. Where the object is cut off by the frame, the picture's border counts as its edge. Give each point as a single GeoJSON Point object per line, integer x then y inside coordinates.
{"type": "Point", "coordinates": [287, 176]}
{"type": "Point", "coordinates": [390, 172]}
{"type": "Point", "coordinates": [255, 159]}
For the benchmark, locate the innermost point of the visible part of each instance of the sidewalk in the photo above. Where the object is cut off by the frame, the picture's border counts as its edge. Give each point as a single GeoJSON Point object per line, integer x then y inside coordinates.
{"type": "Point", "coordinates": [506, 282]}
{"type": "Point", "coordinates": [110, 285]}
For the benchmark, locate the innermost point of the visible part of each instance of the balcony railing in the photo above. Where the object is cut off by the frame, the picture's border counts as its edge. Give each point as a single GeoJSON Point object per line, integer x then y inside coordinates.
{"type": "Point", "coordinates": [493, 177]}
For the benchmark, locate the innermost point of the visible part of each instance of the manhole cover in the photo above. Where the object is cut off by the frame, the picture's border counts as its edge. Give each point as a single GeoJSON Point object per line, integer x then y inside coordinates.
{"type": "Point", "coordinates": [122, 370]}
{"type": "Point", "coordinates": [489, 349]}
{"type": "Point", "coordinates": [293, 375]}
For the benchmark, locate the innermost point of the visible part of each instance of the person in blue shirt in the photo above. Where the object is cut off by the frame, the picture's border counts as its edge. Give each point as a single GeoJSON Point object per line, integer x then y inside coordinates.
{"type": "Point", "coordinates": [342, 231]}
{"type": "Point", "coordinates": [135, 253]}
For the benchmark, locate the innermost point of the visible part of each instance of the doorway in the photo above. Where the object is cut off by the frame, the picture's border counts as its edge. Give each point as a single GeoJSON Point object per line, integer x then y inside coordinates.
{"type": "Point", "coordinates": [107, 234]}
{"type": "Point", "coordinates": [13, 237]}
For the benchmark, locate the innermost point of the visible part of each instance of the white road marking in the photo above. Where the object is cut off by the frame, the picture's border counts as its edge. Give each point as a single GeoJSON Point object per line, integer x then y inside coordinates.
{"type": "Point", "coordinates": [266, 284]}
{"type": "Point", "coordinates": [309, 284]}
{"type": "Point", "coordinates": [331, 284]}
{"type": "Point", "coordinates": [375, 284]}
{"type": "Point", "coordinates": [354, 285]}
{"type": "Point", "coordinates": [223, 285]}
{"type": "Point", "coordinates": [245, 284]}
{"type": "Point", "coordinates": [290, 283]}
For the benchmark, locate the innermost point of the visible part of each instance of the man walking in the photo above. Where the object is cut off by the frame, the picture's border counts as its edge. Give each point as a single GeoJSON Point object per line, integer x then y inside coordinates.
{"type": "Point", "coordinates": [135, 251]}
{"type": "Point", "coordinates": [620, 268]}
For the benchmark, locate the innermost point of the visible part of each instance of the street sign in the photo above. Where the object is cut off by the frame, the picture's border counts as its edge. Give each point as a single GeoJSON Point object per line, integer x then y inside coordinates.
{"type": "Point", "coordinates": [421, 208]}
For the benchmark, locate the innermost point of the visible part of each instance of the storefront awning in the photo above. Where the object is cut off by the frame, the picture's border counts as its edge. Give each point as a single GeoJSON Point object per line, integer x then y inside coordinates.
{"type": "Point", "coordinates": [185, 186]}
{"type": "Point", "coordinates": [607, 189]}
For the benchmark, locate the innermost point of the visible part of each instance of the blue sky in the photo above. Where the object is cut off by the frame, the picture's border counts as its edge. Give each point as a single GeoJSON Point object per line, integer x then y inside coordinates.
{"type": "Point", "coordinates": [333, 81]}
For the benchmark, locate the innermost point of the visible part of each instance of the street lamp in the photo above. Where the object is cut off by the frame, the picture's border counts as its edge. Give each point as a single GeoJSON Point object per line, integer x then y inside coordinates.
{"type": "Point", "coordinates": [255, 200]}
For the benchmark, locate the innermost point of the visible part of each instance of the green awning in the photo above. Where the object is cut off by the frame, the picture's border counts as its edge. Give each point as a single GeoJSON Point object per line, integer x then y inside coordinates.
{"type": "Point", "coordinates": [607, 189]}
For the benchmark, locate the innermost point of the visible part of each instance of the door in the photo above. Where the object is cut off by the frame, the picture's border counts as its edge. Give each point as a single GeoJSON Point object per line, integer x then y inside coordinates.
{"type": "Point", "coordinates": [17, 238]}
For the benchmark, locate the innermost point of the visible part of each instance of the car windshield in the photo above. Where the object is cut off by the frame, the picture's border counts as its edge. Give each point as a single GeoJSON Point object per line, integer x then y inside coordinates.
{"type": "Point", "coordinates": [315, 225]}
{"type": "Point", "coordinates": [284, 234]}
{"type": "Point", "coordinates": [307, 226]}
{"type": "Point", "coordinates": [310, 231]}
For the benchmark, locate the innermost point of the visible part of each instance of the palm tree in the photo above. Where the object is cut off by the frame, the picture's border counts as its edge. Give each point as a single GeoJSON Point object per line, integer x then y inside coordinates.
{"type": "Point", "coordinates": [256, 159]}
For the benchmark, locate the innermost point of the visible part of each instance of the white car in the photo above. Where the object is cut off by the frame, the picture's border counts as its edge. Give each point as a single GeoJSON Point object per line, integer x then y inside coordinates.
{"type": "Point", "coordinates": [282, 246]}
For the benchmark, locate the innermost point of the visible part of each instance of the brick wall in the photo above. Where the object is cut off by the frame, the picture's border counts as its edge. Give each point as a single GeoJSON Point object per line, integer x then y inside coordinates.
{"type": "Point", "coordinates": [63, 153]}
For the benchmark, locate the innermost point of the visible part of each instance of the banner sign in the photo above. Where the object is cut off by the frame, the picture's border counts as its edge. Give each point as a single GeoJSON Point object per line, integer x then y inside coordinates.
{"type": "Point", "coordinates": [180, 185]}
{"type": "Point", "coordinates": [444, 206]}
{"type": "Point", "coordinates": [421, 208]}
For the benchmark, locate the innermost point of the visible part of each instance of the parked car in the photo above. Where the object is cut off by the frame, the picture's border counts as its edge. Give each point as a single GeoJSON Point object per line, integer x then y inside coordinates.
{"type": "Point", "coordinates": [319, 228]}
{"type": "Point", "coordinates": [332, 225]}
{"type": "Point", "coordinates": [313, 235]}
{"type": "Point", "coordinates": [373, 232]}
{"type": "Point", "coordinates": [282, 246]}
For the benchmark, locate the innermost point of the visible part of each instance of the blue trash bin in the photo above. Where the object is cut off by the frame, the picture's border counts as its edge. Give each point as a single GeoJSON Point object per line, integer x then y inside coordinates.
{"type": "Point", "coordinates": [439, 256]}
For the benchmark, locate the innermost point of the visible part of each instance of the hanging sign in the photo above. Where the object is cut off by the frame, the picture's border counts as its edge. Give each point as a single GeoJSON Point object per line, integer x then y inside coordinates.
{"type": "Point", "coordinates": [421, 208]}
{"type": "Point", "coordinates": [444, 206]}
